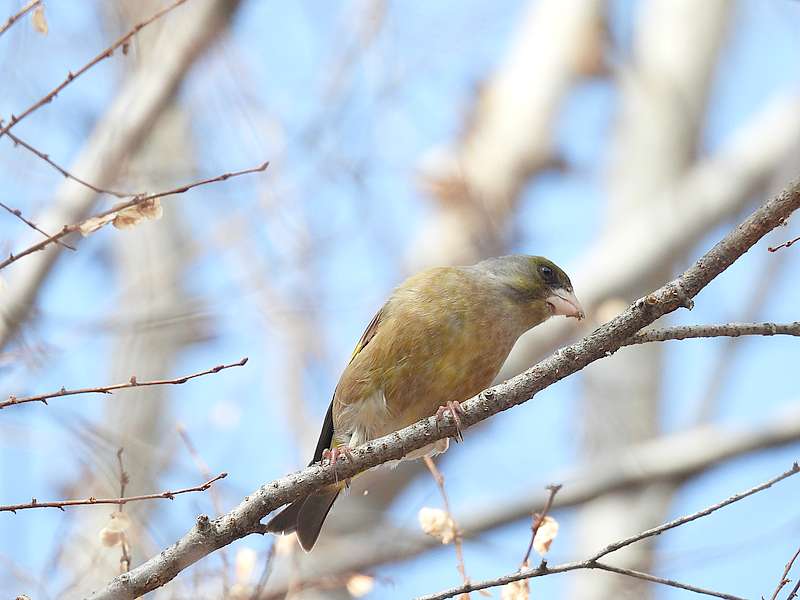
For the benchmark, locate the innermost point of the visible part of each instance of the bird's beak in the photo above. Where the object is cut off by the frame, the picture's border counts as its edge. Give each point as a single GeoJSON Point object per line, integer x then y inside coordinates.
{"type": "Point", "coordinates": [564, 302]}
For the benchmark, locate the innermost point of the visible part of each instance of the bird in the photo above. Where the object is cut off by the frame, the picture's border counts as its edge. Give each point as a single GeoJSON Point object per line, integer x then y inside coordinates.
{"type": "Point", "coordinates": [440, 338]}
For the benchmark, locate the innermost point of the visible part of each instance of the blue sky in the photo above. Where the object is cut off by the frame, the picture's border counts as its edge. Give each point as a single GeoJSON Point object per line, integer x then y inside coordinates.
{"type": "Point", "coordinates": [253, 99]}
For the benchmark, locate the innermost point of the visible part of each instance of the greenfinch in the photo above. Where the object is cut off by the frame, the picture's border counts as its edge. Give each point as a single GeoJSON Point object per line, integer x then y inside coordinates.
{"type": "Point", "coordinates": [439, 339]}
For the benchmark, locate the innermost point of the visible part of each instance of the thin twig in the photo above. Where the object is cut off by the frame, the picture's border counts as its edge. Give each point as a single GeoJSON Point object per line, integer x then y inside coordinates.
{"type": "Point", "coordinates": [457, 536]}
{"type": "Point", "coordinates": [18, 15]}
{"type": "Point", "coordinates": [131, 383]}
{"type": "Point", "coordinates": [205, 471]}
{"type": "Point", "coordinates": [592, 562]}
{"type": "Point", "coordinates": [72, 76]}
{"type": "Point", "coordinates": [258, 590]}
{"type": "Point", "coordinates": [760, 292]}
{"type": "Point", "coordinates": [67, 229]}
{"type": "Point", "coordinates": [684, 332]}
{"type": "Point", "coordinates": [784, 578]}
{"type": "Point", "coordinates": [701, 513]}
{"type": "Point", "coordinates": [664, 581]}
{"type": "Point", "coordinates": [18, 213]}
{"type": "Point", "coordinates": [795, 590]}
{"type": "Point", "coordinates": [124, 479]}
{"type": "Point", "coordinates": [537, 520]}
{"type": "Point", "coordinates": [46, 157]}
{"type": "Point", "coordinates": [784, 245]}
{"type": "Point", "coordinates": [61, 504]}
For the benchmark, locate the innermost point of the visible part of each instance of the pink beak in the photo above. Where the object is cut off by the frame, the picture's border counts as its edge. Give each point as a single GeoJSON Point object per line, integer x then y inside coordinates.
{"type": "Point", "coordinates": [565, 303]}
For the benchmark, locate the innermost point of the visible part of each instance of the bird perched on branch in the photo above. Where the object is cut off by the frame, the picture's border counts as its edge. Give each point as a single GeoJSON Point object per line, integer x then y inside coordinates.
{"type": "Point", "coordinates": [441, 338]}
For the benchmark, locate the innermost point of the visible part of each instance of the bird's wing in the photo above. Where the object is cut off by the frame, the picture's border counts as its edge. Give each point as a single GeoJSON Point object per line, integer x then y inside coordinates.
{"type": "Point", "coordinates": [326, 435]}
{"type": "Point", "coordinates": [368, 334]}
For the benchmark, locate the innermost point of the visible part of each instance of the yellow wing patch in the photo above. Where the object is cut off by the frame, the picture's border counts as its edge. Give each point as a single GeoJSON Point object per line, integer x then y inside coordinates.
{"type": "Point", "coordinates": [368, 334]}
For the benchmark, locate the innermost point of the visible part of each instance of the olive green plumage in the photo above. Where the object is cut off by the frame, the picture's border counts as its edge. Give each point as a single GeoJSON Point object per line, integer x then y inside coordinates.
{"type": "Point", "coordinates": [442, 336]}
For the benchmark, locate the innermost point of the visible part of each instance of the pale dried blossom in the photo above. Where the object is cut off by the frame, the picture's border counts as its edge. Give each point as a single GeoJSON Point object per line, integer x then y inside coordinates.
{"type": "Point", "coordinates": [437, 523]}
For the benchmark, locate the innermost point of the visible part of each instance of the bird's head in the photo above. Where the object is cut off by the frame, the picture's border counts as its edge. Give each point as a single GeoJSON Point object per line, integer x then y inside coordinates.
{"type": "Point", "coordinates": [535, 283]}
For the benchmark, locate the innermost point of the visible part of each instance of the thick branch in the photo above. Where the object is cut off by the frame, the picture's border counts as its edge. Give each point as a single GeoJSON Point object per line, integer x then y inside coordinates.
{"type": "Point", "coordinates": [131, 383]}
{"type": "Point", "coordinates": [592, 562]}
{"type": "Point", "coordinates": [685, 332]}
{"type": "Point", "coordinates": [672, 458]}
{"type": "Point", "coordinates": [61, 504]}
{"type": "Point", "coordinates": [208, 536]}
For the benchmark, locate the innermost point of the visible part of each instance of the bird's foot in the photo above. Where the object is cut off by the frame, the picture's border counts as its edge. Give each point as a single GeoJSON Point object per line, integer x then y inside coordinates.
{"type": "Point", "coordinates": [455, 410]}
{"type": "Point", "coordinates": [331, 455]}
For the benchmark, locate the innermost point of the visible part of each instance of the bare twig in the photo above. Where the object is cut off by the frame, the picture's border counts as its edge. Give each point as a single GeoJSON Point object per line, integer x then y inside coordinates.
{"type": "Point", "coordinates": [457, 535]}
{"type": "Point", "coordinates": [685, 332]}
{"type": "Point", "coordinates": [709, 399]}
{"type": "Point", "coordinates": [72, 76]}
{"type": "Point", "coordinates": [67, 229]}
{"type": "Point", "coordinates": [61, 504]}
{"type": "Point", "coordinates": [784, 578]}
{"type": "Point", "coordinates": [537, 520]}
{"type": "Point", "coordinates": [593, 561]}
{"type": "Point", "coordinates": [795, 590]}
{"type": "Point", "coordinates": [114, 138]}
{"type": "Point", "coordinates": [664, 581]}
{"type": "Point", "coordinates": [701, 513]}
{"type": "Point", "coordinates": [18, 213]}
{"type": "Point", "coordinates": [30, 5]}
{"type": "Point", "coordinates": [216, 502]}
{"type": "Point", "coordinates": [13, 400]}
{"type": "Point", "coordinates": [124, 479]}
{"type": "Point", "coordinates": [266, 571]}
{"type": "Point", "coordinates": [784, 245]}
{"type": "Point", "coordinates": [206, 537]}
{"type": "Point", "coordinates": [46, 157]}
{"type": "Point", "coordinates": [543, 569]}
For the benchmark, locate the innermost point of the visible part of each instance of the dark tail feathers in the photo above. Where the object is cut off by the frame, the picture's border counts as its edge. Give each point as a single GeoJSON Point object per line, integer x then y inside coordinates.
{"type": "Point", "coordinates": [305, 516]}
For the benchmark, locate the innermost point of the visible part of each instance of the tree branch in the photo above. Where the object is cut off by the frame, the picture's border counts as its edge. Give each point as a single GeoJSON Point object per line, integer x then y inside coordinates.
{"type": "Point", "coordinates": [690, 453]}
{"type": "Point", "coordinates": [537, 519]}
{"type": "Point", "coordinates": [122, 500]}
{"type": "Point", "coordinates": [107, 53]}
{"type": "Point", "coordinates": [18, 213]}
{"type": "Point", "coordinates": [207, 536]}
{"type": "Point", "coordinates": [592, 562]}
{"type": "Point", "coordinates": [131, 383]}
{"type": "Point", "coordinates": [67, 229]}
{"type": "Point", "coordinates": [119, 132]}
{"type": "Point", "coordinates": [784, 244]}
{"type": "Point", "coordinates": [685, 332]}
{"type": "Point", "coordinates": [18, 141]}
{"type": "Point", "coordinates": [30, 5]}
{"type": "Point", "coordinates": [784, 578]}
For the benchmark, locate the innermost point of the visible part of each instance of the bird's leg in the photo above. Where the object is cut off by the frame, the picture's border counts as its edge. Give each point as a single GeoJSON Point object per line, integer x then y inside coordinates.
{"type": "Point", "coordinates": [454, 408]}
{"type": "Point", "coordinates": [333, 454]}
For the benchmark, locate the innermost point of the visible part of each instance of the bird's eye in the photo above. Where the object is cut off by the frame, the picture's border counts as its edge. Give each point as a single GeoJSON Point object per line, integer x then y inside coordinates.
{"type": "Point", "coordinates": [547, 273]}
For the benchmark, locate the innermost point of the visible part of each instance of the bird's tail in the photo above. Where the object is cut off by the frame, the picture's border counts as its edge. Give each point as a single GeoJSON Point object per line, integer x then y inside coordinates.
{"type": "Point", "coordinates": [305, 516]}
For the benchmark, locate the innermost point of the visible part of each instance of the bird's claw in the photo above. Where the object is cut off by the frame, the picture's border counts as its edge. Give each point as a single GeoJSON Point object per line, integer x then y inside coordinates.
{"type": "Point", "coordinates": [455, 410]}
{"type": "Point", "coordinates": [331, 455]}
